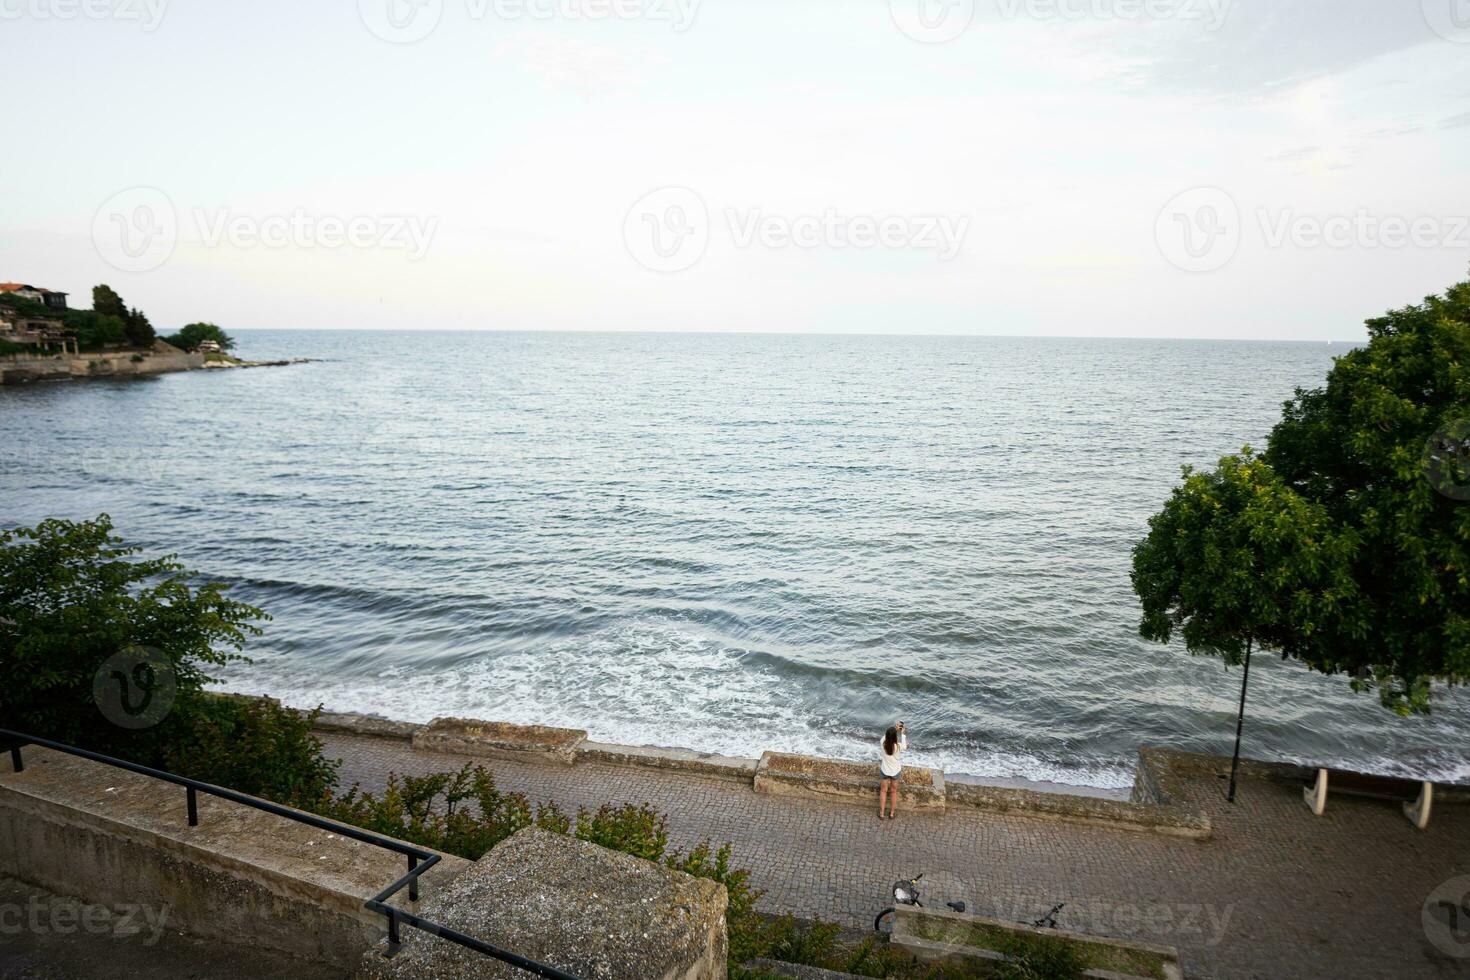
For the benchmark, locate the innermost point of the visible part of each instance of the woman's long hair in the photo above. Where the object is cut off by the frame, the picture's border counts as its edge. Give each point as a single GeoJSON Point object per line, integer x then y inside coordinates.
{"type": "Point", "coordinates": [890, 740]}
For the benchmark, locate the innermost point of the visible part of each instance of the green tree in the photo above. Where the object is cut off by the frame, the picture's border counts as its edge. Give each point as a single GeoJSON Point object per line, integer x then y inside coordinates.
{"type": "Point", "coordinates": [139, 331]}
{"type": "Point", "coordinates": [89, 632]}
{"type": "Point", "coordinates": [1356, 448]}
{"type": "Point", "coordinates": [107, 330]}
{"type": "Point", "coordinates": [194, 334]}
{"type": "Point", "coordinates": [1238, 560]}
{"type": "Point", "coordinates": [72, 595]}
{"type": "Point", "coordinates": [106, 302]}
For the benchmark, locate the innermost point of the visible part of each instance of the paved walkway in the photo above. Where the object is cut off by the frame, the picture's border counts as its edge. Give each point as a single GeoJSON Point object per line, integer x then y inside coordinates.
{"type": "Point", "coordinates": [1277, 893]}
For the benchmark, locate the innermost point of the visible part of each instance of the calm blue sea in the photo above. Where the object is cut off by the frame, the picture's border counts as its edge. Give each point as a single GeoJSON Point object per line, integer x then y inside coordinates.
{"type": "Point", "coordinates": [723, 542]}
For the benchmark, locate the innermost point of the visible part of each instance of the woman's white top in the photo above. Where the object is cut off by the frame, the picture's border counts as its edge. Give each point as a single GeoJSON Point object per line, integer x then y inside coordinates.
{"type": "Point", "coordinates": [890, 765]}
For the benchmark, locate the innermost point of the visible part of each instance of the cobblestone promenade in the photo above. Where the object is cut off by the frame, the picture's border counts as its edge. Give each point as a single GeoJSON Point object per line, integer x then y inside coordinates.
{"type": "Point", "coordinates": [1277, 893]}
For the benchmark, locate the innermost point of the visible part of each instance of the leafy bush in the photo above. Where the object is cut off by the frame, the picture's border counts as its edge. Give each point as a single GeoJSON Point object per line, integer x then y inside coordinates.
{"type": "Point", "coordinates": [748, 932]}
{"type": "Point", "coordinates": [637, 830]}
{"type": "Point", "coordinates": [252, 745]}
{"type": "Point", "coordinates": [1038, 958]}
{"type": "Point", "coordinates": [194, 334]}
{"type": "Point", "coordinates": [811, 944]}
{"type": "Point", "coordinates": [72, 596]}
{"type": "Point", "coordinates": [464, 813]}
{"type": "Point", "coordinates": [459, 813]}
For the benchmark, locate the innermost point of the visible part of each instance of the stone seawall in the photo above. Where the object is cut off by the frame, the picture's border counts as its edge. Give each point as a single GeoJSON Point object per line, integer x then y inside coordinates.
{"type": "Point", "coordinates": [23, 368]}
{"type": "Point", "coordinates": [1155, 806]}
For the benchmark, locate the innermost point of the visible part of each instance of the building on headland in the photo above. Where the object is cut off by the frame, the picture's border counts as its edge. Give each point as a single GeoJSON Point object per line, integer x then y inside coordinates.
{"type": "Point", "coordinates": [49, 298]}
{"type": "Point", "coordinates": [42, 332]}
{"type": "Point", "coordinates": [209, 347]}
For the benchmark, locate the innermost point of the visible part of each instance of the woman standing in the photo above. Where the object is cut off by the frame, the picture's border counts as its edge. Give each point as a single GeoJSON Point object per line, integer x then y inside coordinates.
{"type": "Point", "coordinates": [895, 740]}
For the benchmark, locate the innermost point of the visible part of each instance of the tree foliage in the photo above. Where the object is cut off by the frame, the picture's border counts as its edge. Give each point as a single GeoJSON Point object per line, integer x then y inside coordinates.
{"type": "Point", "coordinates": [73, 596]}
{"type": "Point", "coordinates": [138, 330]}
{"type": "Point", "coordinates": [194, 334]}
{"type": "Point", "coordinates": [1236, 556]}
{"type": "Point", "coordinates": [1334, 547]}
{"type": "Point", "coordinates": [1356, 447]}
{"type": "Point", "coordinates": [106, 302]}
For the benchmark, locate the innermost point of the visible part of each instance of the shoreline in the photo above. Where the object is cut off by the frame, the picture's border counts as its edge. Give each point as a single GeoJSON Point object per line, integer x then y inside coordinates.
{"type": "Point", "coordinates": [20, 369]}
{"type": "Point", "coordinates": [378, 725]}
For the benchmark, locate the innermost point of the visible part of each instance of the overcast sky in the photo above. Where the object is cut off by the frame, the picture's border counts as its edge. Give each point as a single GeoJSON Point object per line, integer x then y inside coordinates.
{"type": "Point", "coordinates": [1179, 168]}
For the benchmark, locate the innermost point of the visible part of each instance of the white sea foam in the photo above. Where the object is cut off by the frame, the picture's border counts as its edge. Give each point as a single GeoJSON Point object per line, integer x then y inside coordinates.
{"type": "Point", "coordinates": [649, 682]}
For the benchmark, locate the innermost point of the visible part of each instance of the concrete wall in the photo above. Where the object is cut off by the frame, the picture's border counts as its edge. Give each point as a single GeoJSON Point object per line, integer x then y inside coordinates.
{"type": "Point", "coordinates": [242, 876]}
{"type": "Point", "coordinates": [21, 368]}
{"type": "Point", "coordinates": [1155, 806]}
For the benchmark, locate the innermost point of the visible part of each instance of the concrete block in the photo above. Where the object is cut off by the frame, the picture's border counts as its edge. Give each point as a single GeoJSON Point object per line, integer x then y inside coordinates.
{"type": "Point", "coordinates": [592, 912]}
{"type": "Point", "coordinates": [780, 774]}
{"type": "Point", "coordinates": [673, 760]}
{"type": "Point", "coordinates": [499, 740]}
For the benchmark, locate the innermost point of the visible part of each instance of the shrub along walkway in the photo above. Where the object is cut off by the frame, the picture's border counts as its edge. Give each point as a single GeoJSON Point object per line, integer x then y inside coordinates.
{"type": "Point", "coordinates": [1276, 893]}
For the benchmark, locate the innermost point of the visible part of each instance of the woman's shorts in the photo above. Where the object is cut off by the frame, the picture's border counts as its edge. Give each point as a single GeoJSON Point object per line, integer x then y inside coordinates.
{"type": "Point", "coordinates": [884, 775]}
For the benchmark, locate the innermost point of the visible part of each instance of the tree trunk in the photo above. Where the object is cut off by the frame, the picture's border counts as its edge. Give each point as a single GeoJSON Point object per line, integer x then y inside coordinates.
{"type": "Point", "coordinates": [1240, 720]}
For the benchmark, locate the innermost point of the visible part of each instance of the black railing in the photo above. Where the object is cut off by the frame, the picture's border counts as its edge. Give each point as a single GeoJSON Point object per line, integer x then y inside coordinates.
{"type": "Point", "coordinates": [419, 859]}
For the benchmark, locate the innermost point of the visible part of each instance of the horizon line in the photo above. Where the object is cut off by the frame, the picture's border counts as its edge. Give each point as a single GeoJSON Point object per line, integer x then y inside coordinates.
{"type": "Point", "coordinates": [789, 333]}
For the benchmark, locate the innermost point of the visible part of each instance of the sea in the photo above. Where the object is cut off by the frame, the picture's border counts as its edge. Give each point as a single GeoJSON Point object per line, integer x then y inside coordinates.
{"type": "Point", "coordinates": [724, 542]}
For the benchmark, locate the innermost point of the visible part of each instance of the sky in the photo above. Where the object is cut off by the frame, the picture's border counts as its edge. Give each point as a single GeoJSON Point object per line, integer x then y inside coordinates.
{"type": "Point", "coordinates": [1272, 169]}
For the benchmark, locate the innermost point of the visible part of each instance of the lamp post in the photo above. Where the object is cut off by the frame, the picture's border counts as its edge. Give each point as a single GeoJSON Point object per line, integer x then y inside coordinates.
{"type": "Point", "coordinates": [1240, 721]}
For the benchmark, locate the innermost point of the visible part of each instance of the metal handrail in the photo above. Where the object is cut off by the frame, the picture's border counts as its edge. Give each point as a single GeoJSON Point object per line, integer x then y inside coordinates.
{"type": "Point", "coordinates": [419, 859]}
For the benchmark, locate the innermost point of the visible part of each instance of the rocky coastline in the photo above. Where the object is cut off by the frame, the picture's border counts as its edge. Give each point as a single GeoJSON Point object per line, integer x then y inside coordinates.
{"type": "Point", "coordinates": [161, 358]}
